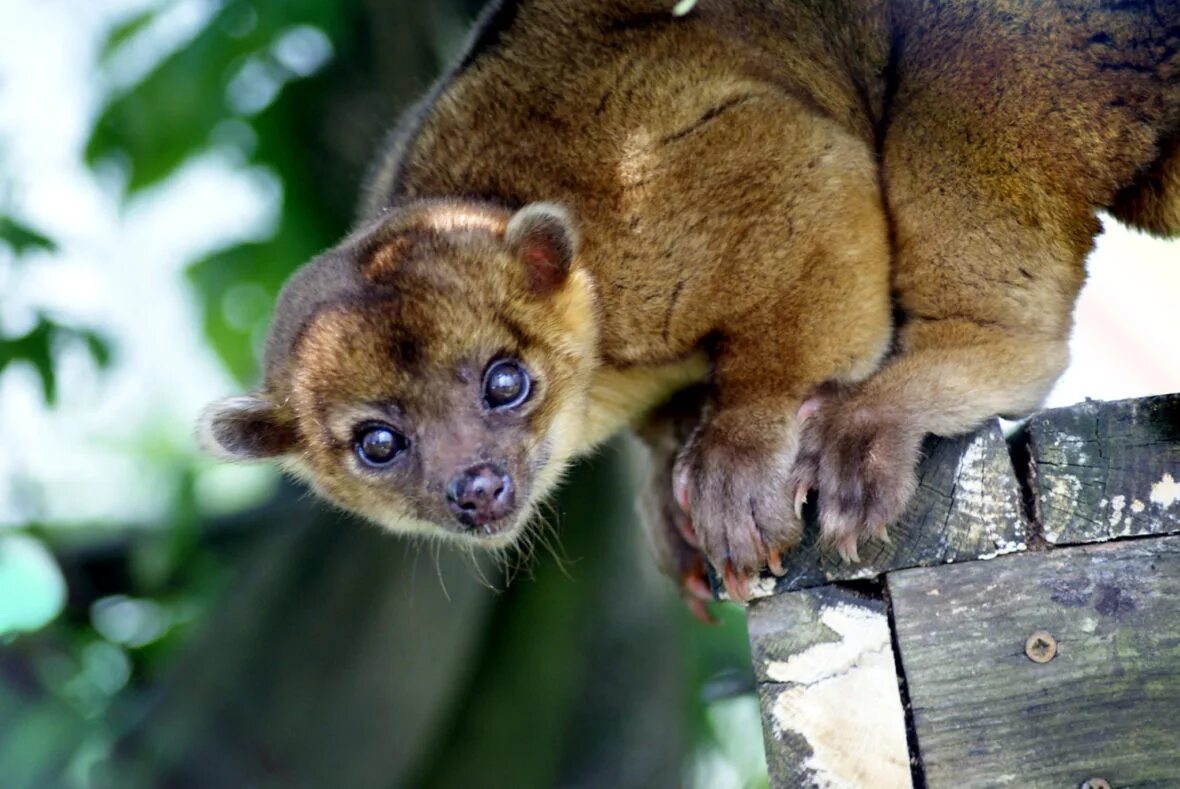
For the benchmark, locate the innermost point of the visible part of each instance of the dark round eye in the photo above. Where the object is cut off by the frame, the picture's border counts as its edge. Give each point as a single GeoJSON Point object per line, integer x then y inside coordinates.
{"type": "Point", "coordinates": [505, 384]}
{"type": "Point", "coordinates": [378, 445]}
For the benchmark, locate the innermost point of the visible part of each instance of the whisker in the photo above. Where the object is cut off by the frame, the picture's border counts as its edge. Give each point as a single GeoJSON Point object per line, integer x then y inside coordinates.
{"type": "Point", "coordinates": [438, 567]}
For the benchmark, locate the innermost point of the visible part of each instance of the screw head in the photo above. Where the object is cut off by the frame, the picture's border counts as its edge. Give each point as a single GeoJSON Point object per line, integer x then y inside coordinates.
{"type": "Point", "coordinates": [1095, 783]}
{"type": "Point", "coordinates": [1041, 647]}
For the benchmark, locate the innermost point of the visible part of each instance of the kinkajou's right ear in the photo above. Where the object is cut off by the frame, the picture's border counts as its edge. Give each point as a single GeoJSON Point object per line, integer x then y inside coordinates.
{"type": "Point", "coordinates": [245, 428]}
{"type": "Point", "coordinates": [544, 237]}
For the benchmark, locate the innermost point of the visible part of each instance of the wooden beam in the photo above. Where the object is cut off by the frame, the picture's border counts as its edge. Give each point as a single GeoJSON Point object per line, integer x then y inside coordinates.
{"type": "Point", "coordinates": [1107, 470]}
{"type": "Point", "coordinates": [1103, 706]}
{"type": "Point", "coordinates": [831, 709]}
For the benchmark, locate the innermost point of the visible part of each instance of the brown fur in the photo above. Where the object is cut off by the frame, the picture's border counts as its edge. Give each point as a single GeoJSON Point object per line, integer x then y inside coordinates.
{"type": "Point", "coordinates": [754, 181]}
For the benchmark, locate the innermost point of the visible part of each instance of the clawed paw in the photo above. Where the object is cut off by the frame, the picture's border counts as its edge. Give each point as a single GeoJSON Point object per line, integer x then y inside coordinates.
{"type": "Point", "coordinates": [675, 546]}
{"type": "Point", "coordinates": [738, 504]}
{"type": "Point", "coordinates": [859, 463]}
{"type": "Point", "coordinates": [736, 496]}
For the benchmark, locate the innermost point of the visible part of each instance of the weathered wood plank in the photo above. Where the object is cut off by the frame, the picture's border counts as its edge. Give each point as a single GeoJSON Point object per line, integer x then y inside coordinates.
{"type": "Point", "coordinates": [967, 507]}
{"type": "Point", "coordinates": [831, 709]}
{"type": "Point", "coordinates": [1105, 706]}
{"type": "Point", "coordinates": [1107, 470]}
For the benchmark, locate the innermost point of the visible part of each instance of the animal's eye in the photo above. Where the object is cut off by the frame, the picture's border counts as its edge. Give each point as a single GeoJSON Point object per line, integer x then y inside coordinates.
{"type": "Point", "coordinates": [506, 384]}
{"type": "Point", "coordinates": [378, 445]}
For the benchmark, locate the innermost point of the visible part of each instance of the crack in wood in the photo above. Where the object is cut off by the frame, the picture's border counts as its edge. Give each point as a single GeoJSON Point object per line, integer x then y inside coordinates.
{"type": "Point", "coordinates": [917, 771]}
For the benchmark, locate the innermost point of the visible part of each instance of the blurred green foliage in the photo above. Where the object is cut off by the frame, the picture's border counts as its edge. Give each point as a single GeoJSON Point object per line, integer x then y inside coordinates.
{"type": "Point", "coordinates": [40, 345]}
{"type": "Point", "coordinates": [21, 238]}
{"type": "Point", "coordinates": [229, 87]}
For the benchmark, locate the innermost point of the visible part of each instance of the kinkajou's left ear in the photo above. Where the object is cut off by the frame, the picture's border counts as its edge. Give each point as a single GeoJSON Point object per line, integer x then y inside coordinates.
{"type": "Point", "coordinates": [545, 239]}
{"type": "Point", "coordinates": [244, 429]}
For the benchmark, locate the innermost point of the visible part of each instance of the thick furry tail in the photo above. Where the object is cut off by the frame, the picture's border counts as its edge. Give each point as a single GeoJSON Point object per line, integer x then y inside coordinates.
{"type": "Point", "coordinates": [1152, 202]}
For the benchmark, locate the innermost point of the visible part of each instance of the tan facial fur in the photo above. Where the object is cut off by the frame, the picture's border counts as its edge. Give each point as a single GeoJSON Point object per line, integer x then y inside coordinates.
{"type": "Point", "coordinates": [437, 294]}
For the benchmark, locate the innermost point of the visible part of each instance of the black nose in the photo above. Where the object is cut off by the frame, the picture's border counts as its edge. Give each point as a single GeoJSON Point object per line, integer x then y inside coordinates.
{"type": "Point", "coordinates": [481, 494]}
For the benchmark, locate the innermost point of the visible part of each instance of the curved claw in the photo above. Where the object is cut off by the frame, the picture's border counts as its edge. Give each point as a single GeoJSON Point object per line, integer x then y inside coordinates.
{"type": "Point", "coordinates": [687, 532]}
{"type": "Point", "coordinates": [738, 586]}
{"type": "Point", "coordinates": [880, 533]}
{"type": "Point", "coordinates": [701, 611]}
{"type": "Point", "coordinates": [698, 595]}
{"type": "Point", "coordinates": [847, 549]}
{"type": "Point", "coordinates": [697, 587]}
{"type": "Point", "coordinates": [774, 562]}
{"type": "Point", "coordinates": [800, 499]}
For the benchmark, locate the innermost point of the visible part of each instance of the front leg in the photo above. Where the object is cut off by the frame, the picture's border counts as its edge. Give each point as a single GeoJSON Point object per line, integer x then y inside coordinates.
{"type": "Point", "coordinates": [732, 477]}
{"type": "Point", "coordinates": [733, 474]}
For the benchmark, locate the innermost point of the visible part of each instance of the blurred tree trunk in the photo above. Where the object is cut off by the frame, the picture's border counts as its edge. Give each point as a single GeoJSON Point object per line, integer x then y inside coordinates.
{"type": "Point", "coordinates": [339, 658]}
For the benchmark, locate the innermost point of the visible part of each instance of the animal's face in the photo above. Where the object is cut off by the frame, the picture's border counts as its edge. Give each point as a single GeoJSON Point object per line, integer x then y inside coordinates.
{"type": "Point", "coordinates": [430, 373]}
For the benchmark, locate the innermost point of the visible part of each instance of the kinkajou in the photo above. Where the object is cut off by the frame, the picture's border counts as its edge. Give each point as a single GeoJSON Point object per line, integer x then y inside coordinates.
{"type": "Point", "coordinates": [782, 239]}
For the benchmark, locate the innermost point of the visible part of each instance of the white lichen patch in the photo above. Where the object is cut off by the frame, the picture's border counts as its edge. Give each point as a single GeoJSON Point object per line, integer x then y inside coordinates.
{"type": "Point", "coordinates": [1137, 506]}
{"type": "Point", "coordinates": [761, 586]}
{"type": "Point", "coordinates": [1065, 492]}
{"type": "Point", "coordinates": [848, 573]}
{"type": "Point", "coordinates": [1166, 492]}
{"type": "Point", "coordinates": [842, 698]}
{"type": "Point", "coordinates": [1003, 546]}
{"type": "Point", "coordinates": [991, 515]}
{"type": "Point", "coordinates": [1117, 505]}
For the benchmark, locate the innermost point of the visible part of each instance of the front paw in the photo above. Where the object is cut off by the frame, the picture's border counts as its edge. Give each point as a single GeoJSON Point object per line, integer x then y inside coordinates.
{"type": "Point", "coordinates": [734, 487]}
{"type": "Point", "coordinates": [674, 544]}
{"type": "Point", "coordinates": [860, 461]}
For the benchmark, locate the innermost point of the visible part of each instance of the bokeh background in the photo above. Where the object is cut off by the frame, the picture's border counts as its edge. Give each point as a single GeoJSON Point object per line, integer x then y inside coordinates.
{"type": "Point", "coordinates": [168, 621]}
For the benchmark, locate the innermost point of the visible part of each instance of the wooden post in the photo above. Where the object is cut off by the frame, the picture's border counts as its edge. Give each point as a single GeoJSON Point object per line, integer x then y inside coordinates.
{"type": "Point", "coordinates": [978, 649]}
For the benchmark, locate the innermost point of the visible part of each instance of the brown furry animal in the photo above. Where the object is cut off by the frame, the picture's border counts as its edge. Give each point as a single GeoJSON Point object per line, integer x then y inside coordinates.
{"type": "Point", "coordinates": [603, 205]}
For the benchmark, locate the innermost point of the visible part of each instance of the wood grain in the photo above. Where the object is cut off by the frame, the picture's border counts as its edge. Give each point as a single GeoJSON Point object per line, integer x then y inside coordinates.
{"type": "Point", "coordinates": [831, 709]}
{"type": "Point", "coordinates": [1105, 706]}
{"type": "Point", "coordinates": [1107, 470]}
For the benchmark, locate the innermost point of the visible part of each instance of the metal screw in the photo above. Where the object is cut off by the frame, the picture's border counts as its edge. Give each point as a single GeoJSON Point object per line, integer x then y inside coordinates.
{"type": "Point", "coordinates": [1041, 647]}
{"type": "Point", "coordinates": [1095, 783]}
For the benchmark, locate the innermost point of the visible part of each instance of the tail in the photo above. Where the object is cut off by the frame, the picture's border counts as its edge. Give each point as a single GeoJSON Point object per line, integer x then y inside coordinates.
{"type": "Point", "coordinates": [1152, 202]}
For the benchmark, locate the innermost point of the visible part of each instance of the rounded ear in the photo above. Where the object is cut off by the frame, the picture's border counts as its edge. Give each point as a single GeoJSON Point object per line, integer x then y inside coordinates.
{"type": "Point", "coordinates": [544, 238]}
{"type": "Point", "coordinates": [245, 428]}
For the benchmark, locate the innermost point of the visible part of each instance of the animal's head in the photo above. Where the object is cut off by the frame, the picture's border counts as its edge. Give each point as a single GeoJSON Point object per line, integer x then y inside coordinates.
{"type": "Point", "coordinates": [430, 373]}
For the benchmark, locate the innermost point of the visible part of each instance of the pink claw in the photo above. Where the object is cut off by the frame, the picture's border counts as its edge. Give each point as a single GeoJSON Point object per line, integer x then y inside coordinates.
{"type": "Point", "coordinates": [697, 587]}
{"type": "Point", "coordinates": [775, 563]}
{"type": "Point", "coordinates": [847, 549]}
{"type": "Point", "coordinates": [737, 585]}
{"type": "Point", "coordinates": [701, 611]}
{"type": "Point", "coordinates": [687, 532]}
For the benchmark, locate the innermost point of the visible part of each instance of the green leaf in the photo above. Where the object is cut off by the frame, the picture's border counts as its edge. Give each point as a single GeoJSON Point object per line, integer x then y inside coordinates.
{"type": "Point", "coordinates": [123, 32]}
{"type": "Point", "coordinates": [21, 238]}
{"type": "Point", "coordinates": [37, 347]}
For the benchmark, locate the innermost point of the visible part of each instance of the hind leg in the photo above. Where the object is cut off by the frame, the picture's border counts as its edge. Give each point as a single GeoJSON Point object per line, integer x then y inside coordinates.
{"type": "Point", "coordinates": [987, 286]}
{"type": "Point", "coordinates": [1152, 202]}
